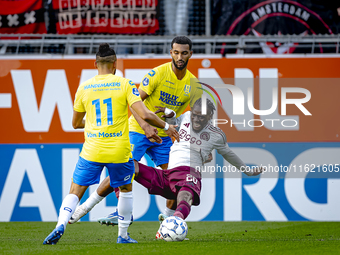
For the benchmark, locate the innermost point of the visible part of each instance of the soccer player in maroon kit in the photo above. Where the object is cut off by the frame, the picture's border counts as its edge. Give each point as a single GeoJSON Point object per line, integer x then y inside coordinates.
{"type": "Point", "coordinates": [182, 181]}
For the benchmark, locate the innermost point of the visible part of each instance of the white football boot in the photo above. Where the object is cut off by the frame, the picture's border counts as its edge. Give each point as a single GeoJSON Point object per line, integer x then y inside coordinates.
{"type": "Point", "coordinates": [80, 212]}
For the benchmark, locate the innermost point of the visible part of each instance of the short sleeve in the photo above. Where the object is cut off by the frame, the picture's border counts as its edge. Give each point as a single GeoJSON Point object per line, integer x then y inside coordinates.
{"type": "Point", "coordinates": [78, 101]}
{"type": "Point", "coordinates": [132, 94]}
{"type": "Point", "coordinates": [150, 82]}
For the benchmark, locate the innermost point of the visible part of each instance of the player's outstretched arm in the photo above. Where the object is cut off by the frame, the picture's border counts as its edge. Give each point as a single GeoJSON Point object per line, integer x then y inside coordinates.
{"type": "Point", "coordinates": [150, 131]}
{"type": "Point", "coordinates": [233, 159]}
{"type": "Point", "coordinates": [257, 170]}
{"type": "Point", "coordinates": [153, 119]}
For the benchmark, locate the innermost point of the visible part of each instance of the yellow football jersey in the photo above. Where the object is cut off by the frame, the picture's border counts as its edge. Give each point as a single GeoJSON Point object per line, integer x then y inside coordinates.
{"type": "Point", "coordinates": [164, 89]}
{"type": "Point", "coordinates": [105, 100]}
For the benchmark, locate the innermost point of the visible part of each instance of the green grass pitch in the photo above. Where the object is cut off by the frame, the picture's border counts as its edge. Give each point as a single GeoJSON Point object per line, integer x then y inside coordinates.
{"type": "Point", "coordinates": [204, 238]}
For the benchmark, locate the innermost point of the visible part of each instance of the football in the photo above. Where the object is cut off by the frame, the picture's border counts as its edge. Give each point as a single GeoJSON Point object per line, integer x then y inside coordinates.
{"type": "Point", "coordinates": [173, 229]}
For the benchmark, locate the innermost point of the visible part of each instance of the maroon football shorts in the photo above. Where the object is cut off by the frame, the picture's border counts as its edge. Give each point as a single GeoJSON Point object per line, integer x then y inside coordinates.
{"type": "Point", "coordinates": [167, 183]}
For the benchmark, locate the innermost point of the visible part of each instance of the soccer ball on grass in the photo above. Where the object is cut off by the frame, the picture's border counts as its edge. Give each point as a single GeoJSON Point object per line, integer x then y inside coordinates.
{"type": "Point", "coordinates": [173, 228]}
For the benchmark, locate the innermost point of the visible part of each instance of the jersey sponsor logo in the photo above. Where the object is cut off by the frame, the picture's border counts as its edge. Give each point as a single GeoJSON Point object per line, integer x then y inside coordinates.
{"type": "Point", "coordinates": [131, 83]}
{"type": "Point", "coordinates": [135, 92]}
{"type": "Point", "coordinates": [187, 125]}
{"type": "Point", "coordinates": [205, 136]}
{"type": "Point", "coordinates": [127, 177]}
{"type": "Point", "coordinates": [169, 99]}
{"type": "Point", "coordinates": [102, 85]}
{"type": "Point", "coordinates": [170, 82]}
{"type": "Point", "coordinates": [151, 73]}
{"type": "Point", "coordinates": [184, 135]}
{"type": "Point", "coordinates": [146, 81]}
{"type": "Point", "coordinates": [187, 89]}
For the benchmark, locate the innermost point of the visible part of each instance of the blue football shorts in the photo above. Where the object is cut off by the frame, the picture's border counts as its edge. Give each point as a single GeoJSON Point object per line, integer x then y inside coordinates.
{"type": "Point", "coordinates": [159, 153]}
{"type": "Point", "coordinates": [88, 173]}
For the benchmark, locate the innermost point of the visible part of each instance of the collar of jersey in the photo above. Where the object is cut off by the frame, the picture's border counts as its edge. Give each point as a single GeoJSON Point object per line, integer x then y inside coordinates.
{"type": "Point", "coordinates": [174, 75]}
{"type": "Point", "coordinates": [102, 75]}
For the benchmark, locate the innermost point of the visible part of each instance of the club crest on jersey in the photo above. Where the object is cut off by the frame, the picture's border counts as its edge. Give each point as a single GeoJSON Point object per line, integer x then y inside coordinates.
{"type": "Point", "coordinates": [146, 81]}
{"type": "Point", "coordinates": [205, 136]}
{"type": "Point", "coordinates": [187, 89]}
{"type": "Point", "coordinates": [135, 91]}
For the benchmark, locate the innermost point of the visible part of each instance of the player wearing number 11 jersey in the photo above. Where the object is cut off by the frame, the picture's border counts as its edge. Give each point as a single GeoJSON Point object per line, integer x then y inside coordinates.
{"type": "Point", "coordinates": [105, 99]}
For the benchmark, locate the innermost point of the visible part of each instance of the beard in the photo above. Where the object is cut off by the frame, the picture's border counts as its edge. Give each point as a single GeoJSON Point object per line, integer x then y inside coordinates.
{"type": "Point", "coordinates": [180, 68]}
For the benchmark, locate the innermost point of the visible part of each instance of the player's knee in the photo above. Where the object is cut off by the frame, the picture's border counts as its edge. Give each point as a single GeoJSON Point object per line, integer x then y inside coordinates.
{"type": "Point", "coordinates": [164, 166]}
{"type": "Point", "coordinates": [104, 187]}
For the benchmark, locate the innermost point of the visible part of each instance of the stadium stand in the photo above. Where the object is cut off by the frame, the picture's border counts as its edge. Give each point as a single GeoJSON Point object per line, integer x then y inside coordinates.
{"type": "Point", "coordinates": [215, 26]}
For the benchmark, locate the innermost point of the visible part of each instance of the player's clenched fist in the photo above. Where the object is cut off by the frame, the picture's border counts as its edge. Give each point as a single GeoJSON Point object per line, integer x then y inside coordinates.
{"type": "Point", "coordinates": [151, 133]}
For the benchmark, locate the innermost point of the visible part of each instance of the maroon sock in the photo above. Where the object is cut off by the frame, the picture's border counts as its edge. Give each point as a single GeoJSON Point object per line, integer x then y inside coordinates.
{"type": "Point", "coordinates": [117, 192]}
{"type": "Point", "coordinates": [182, 210]}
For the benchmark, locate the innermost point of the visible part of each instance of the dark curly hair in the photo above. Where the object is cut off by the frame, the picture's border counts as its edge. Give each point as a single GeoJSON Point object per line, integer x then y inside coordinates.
{"type": "Point", "coordinates": [210, 106]}
{"type": "Point", "coordinates": [181, 40]}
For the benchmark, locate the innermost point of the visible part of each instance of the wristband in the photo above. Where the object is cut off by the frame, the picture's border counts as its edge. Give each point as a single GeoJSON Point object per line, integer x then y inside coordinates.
{"type": "Point", "coordinates": [167, 111]}
{"type": "Point", "coordinates": [166, 127]}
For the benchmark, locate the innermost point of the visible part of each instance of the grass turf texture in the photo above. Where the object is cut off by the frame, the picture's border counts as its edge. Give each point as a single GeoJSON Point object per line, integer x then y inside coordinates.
{"type": "Point", "coordinates": [205, 238]}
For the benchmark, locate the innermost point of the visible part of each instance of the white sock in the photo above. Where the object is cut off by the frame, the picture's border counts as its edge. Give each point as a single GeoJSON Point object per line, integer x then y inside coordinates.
{"type": "Point", "coordinates": [168, 212]}
{"type": "Point", "coordinates": [93, 200]}
{"type": "Point", "coordinates": [125, 202]}
{"type": "Point", "coordinates": [67, 209]}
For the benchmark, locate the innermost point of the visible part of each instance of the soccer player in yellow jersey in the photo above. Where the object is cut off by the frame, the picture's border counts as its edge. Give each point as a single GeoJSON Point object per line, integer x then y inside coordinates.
{"type": "Point", "coordinates": [105, 99]}
{"type": "Point", "coordinates": [172, 86]}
